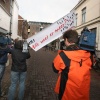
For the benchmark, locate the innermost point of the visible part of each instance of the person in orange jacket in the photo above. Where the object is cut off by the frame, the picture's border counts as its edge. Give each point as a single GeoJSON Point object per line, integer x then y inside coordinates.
{"type": "Point", "coordinates": [73, 66]}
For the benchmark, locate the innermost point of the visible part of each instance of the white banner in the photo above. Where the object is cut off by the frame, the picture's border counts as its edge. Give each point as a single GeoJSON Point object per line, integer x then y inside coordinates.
{"type": "Point", "coordinates": [52, 32]}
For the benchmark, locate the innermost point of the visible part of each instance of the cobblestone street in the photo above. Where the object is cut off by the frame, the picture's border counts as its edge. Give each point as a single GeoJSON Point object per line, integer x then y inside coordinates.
{"type": "Point", "coordinates": [41, 79]}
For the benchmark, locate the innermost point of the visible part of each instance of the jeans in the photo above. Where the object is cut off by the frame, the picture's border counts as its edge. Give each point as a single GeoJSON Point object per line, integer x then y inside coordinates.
{"type": "Point", "coordinates": [15, 78]}
{"type": "Point", "coordinates": [2, 70]}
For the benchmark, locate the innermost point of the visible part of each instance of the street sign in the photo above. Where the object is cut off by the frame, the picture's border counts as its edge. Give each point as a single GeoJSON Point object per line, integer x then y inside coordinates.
{"type": "Point", "coordinates": [52, 32]}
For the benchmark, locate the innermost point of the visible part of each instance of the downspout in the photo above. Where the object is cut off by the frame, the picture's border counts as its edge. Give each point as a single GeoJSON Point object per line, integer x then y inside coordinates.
{"type": "Point", "coordinates": [11, 8]}
{"type": "Point", "coordinates": [99, 8]}
{"type": "Point", "coordinates": [22, 34]}
{"type": "Point", "coordinates": [99, 22]}
{"type": "Point", "coordinates": [98, 31]}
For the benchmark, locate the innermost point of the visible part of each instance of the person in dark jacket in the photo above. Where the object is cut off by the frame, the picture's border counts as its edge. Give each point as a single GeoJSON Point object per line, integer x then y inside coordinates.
{"type": "Point", "coordinates": [4, 50]}
{"type": "Point", "coordinates": [18, 70]}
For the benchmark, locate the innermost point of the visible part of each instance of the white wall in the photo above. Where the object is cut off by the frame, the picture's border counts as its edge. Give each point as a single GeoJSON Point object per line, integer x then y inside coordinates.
{"type": "Point", "coordinates": [4, 20]}
{"type": "Point", "coordinates": [14, 26]}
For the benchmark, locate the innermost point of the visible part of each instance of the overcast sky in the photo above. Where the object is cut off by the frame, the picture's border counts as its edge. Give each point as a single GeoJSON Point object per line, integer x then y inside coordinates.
{"type": "Point", "coordinates": [45, 10]}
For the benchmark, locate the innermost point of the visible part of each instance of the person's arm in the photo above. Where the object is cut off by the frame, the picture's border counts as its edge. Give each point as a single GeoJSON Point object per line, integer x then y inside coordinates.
{"type": "Point", "coordinates": [54, 69]}
{"type": "Point", "coordinates": [58, 64]}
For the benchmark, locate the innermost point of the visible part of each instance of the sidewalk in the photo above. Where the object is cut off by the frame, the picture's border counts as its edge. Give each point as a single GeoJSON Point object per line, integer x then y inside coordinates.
{"type": "Point", "coordinates": [41, 79]}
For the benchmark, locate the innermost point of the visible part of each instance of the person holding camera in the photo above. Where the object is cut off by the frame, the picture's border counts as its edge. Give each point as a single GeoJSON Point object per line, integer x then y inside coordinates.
{"type": "Point", "coordinates": [18, 70]}
{"type": "Point", "coordinates": [73, 66]}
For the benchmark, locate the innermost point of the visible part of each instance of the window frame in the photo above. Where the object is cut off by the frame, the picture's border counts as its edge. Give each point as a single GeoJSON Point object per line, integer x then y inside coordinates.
{"type": "Point", "coordinates": [76, 19]}
{"type": "Point", "coordinates": [84, 15]}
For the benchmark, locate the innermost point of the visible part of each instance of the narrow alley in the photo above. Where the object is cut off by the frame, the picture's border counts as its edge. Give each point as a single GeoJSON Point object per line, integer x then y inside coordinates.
{"type": "Point", "coordinates": [41, 79]}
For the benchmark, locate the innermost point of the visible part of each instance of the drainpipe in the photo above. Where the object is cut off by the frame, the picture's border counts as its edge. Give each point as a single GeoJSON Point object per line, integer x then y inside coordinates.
{"type": "Point", "coordinates": [22, 34]}
{"type": "Point", "coordinates": [11, 8]}
{"type": "Point", "coordinates": [99, 7]}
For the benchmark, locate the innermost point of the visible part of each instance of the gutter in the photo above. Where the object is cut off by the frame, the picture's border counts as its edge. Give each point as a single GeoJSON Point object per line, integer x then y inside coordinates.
{"type": "Point", "coordinates": [79, 3]}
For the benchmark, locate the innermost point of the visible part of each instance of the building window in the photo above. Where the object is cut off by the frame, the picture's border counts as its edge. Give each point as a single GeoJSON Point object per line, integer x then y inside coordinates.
{"type": "Point", "coordinates": [28, 29]}
{"type": "Point", "coordinates": [83, 15]}
{"type": "Point", "coordinates": [76, 19]}
{"type": "Point", "coordinates": [94, 30]}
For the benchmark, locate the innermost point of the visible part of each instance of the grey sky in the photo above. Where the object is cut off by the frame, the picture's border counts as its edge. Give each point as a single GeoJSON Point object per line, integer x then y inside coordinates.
{"type": "Point", "coordinates": [45, 10]}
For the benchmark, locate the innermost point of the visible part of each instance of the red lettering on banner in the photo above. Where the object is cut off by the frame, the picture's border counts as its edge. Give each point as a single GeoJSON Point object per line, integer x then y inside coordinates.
{"type": "Point", "coordinates": [35, 45]}
{"type": "Point", "coordinates": [56, 30]}
{"type": "Point", "coordinates": [51, 34]}
{"type": "Point", "coordinates": [61, 26]}
{"type": "Point", "coordinates": [44, 39]}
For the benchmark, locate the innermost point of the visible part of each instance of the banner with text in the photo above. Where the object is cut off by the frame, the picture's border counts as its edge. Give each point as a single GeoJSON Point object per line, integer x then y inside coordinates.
{"type": "Point", "coordinates": [52, 32]}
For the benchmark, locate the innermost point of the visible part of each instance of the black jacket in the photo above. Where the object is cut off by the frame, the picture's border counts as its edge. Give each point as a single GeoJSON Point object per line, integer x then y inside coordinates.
{"type": "Point", "coordinates": [19, 60]}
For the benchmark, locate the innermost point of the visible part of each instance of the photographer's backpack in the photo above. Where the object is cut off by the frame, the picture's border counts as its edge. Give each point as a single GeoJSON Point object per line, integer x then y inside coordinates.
{"type": "Point", "coordinates": [87, 40]}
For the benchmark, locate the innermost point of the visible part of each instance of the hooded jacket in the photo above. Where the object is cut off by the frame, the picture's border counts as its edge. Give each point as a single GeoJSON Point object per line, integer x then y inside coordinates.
{"type": "Point", "coordinates": [74, 82]}
{"type": "Point", "coordinates": [19, 58]}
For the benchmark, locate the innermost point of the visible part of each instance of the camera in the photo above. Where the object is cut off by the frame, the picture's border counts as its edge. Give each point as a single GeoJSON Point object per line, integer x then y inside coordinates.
{"type": "Point", "coordinates": [25, 46]}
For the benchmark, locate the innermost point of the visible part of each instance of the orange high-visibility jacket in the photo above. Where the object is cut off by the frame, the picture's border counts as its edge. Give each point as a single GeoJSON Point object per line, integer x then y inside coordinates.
{"type": "Point", "coordinates": [77, 84]}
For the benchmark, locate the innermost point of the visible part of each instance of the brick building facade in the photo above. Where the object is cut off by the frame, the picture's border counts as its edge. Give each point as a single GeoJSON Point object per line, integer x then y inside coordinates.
{"type": "Point", "coordinates": [22, 28]}
{"type": "Point", "coordinates": [35, 27]}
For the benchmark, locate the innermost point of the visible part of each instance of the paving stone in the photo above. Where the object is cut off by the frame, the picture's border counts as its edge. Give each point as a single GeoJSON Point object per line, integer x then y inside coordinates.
{"type": "Point", "coordinates": [41, 79]}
